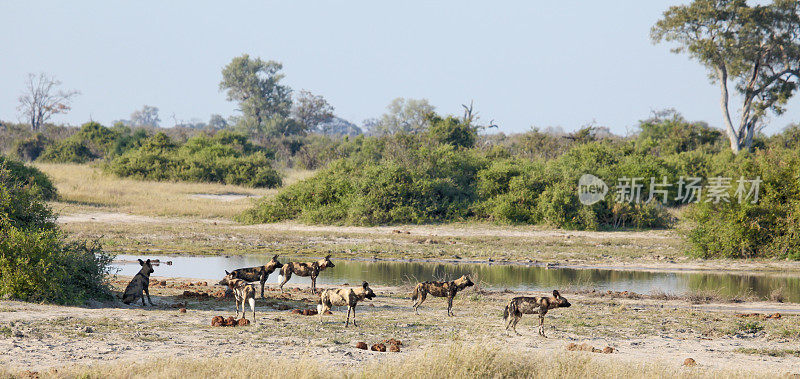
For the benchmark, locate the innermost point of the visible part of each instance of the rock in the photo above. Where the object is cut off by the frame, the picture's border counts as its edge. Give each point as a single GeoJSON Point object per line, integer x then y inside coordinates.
{"type": "Point", "coordinates": [689, 362]}
{"type": "Point", "coordinates": [608, 350]}
{"type": "Point", "coordinates": [281, 307]}
{"type": "Point", "coordinates": [296, 311]}
{"type": "Point", "coordinates": [394, 348]}
{"type": "Point", "coordinates": [242, 322]}
{"type": "Point", "coordinates": [379, 347]}
{"type": "Point", "coordinates": [163, 283]}
{"type": "Point", "coordinates": [217, 321]}
{"type": "Point", "coordinates": [182, 310]}
{"type": "Point", "coordinates": [88, 329]}
{"type": "Point", "coordinates": [361, 345]}
{"type": "Point", "coordinates": [309, 312]}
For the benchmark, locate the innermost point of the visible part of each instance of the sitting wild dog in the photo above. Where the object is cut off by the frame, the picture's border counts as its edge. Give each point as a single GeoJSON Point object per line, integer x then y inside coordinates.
{"type": "Point", "coordinates": [344, 296]}
{"type": "Point", "coordinates": [243, 292]}
{"type": "Point", "coordinates": [140, 283]}
{"type": "Point", "coordinates": [525, 305]}
{"type": "Point", "coordinates": [257, 274]}
{"type": "Point", "coordinates": [440, 289]}
{"type": "Point", "coordinates": [311, 269]}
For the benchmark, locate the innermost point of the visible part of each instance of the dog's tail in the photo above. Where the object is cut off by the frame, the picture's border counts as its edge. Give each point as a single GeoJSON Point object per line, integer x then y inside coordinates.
{"type": "Point", "coordinates": [510, 309]}
{"type": "Point", "coordinates": [417, 289]}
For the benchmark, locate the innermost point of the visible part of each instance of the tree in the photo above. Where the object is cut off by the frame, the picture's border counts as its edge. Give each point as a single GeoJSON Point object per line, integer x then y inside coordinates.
{"type": "Point", "coordinates": [756, 47]}
{"type": "Point", "coordinates": [255, 84]}
{"type": "Point", "coordinates": [404, 115]}
{"type": "Point", "coordinates": [41, 99]}
{"type": "Point", "coordinates": [147, 116]}
{"type": "Point", "coordinates": [217, 122]}
{"type": "Point", "coordinates": [339, 126]}
{"type": "Point", "coordinates": [311, 110]}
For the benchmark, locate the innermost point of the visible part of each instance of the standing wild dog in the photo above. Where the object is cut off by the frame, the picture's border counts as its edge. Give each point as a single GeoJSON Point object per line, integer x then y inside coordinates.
{"type": "Point", "coordinates": [311, 269]}
{"type": "Point", "coordinates": [140, 283]}
{"type": "Point", "coordinates": [344, 296]}
{"type": "Point", "coordinates": [525, 305]}
{"type": "Point", "coordinates": [243, 292]}
{"type": "Point", "coordinates": [440, 289]}
{"type": "Point", "coordinates": [258, 274]}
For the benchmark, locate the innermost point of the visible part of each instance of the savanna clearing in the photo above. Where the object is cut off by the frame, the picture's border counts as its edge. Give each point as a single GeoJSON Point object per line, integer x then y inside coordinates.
{"type": "Point", "coordinates": [651, 335]}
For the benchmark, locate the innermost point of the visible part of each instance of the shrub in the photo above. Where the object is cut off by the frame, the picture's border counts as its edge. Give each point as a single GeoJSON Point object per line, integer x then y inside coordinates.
{"type": "Point", "coordinates": [36, 183]}
{"type": "Point", "coordinates": [224, 158]}
{"type": "Point", "coordinates": [30, 148]}
{"type": "Point", "coordinates": [36, 262]}
{"type": "Point", "coordinates": [452, 131]}
{"type": "Point", "coordinates": [68, 151]}
{"type": "Point", "coordinates": [768, 228]}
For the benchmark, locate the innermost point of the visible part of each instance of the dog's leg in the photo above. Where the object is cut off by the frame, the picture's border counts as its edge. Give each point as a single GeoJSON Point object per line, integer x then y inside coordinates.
{"type": "Point", "coordinates": [541, 325]}
{"type": "Point", "coordinates": [517, 317]}
{"type": "Point", "coordinates": [422, 295]}
{"type": "Point", "coordinates": [263, 280]}
{"type": "Point", "coordinates": [143, 304]}
{"type": "Point", "coordinates": [286, 276]}
{"type": "Point", "coordinates": [313, 284]}
{"type": "Point", "coordinates": [252, 301]}
{"type": "Point", "coordinates": [147, 291]}
{"type": "Point", "coordinates": [354, 315]}
{"type": "Point", "coordinates": [347, 320]}
{"type": "Point", "coordinates": [449, 306]}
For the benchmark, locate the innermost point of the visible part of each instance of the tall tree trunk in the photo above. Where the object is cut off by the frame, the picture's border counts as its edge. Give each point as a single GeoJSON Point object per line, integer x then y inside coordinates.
{"type": "Point", "coordinates": [722, 74]}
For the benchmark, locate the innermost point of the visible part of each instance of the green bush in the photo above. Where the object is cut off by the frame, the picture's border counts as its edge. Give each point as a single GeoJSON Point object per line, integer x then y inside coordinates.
{"type": "Point", "coordinates": [36, 183]}
{"type": "Point", "coordinates": [39, 265]}
{"type": "Point", "coordinates": [30, 148]}
{"type": "Point", "coordinates": [68, 151]}
{"type": "Point", "coordinates": [768, 228]}
{"type": "Point", "coordinates": [36, 261]}
{"type": "Point", "coordinates": [224, 158]}
{"type": "Point", "coordinates": [428, 184]}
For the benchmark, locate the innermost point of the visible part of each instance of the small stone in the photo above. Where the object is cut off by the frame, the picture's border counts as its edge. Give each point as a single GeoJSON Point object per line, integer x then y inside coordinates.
{"type": "Point", "coordinates": [88, 329]}
{"type": "Point", "coordinates": [182, 310]}
{"type": "Point", "coordinates": [608, 350]}
{"type": "Point", "coordinates": [243, 322]}
{"type": "Point", "coordinates": [361, 345]}
{"type": "Point", "coordinates": [394, 348]}
{"type": "Point", "coordinates": [689, 362]}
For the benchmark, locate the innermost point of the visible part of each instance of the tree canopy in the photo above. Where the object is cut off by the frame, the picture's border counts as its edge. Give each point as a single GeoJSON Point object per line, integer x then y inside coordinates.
{"type": "Point", "coordinates": [756, 47]}
{"type": "Point", "coordinates": [255, 85]}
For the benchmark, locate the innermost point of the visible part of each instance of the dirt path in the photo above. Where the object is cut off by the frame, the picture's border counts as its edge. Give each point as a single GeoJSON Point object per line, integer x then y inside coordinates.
{"type": "Point", "coordinates": [37, 337]}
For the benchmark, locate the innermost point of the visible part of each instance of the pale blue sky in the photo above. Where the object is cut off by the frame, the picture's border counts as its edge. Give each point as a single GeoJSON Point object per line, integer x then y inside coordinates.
{"type": "Point", "coordinates": [543, 63]}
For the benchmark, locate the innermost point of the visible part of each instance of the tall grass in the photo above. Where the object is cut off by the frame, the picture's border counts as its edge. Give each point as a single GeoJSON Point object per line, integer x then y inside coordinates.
{"type": "Point", "coordinates": [448, 362]}
{"type": "Point", "coordinates": [85, 185]}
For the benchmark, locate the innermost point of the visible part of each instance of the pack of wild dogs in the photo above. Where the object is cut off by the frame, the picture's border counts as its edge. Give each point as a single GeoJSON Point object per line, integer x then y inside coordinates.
{"type": "Point", "coordinates": [240, 281]}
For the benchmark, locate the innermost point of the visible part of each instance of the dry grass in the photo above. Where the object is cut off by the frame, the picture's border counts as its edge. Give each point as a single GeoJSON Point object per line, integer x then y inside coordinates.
{"type": "Point", "coordinates": [455, 361]}
{"type": "Point", "coordinates": [83, 187]}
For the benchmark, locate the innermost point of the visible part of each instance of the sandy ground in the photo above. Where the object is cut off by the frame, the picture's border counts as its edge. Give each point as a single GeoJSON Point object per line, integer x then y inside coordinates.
{"type": "Point", "coordinates": [38, 337]}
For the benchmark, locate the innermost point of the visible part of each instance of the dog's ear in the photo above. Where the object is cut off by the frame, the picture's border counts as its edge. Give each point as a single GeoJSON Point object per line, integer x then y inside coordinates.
{"type": "Point", "coordinates": [141, 262]}
{"type": "Point", "coordinates": [365, 285]}
{"type": "Point", "coordinates": [275, 258]}
{"type": "Point", "coordinates": [328, 256]}
{"type": "Point", "coordinates": [227, 273]}
{"type": "Point", "coordinates": [556, 294]}
{"type": "Point", "coordinates": [148, 262]}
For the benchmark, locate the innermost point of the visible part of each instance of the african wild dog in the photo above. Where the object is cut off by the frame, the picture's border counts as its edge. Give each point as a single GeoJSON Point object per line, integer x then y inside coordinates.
{"type": "Point", "coordinates": [311, 269]}
{"type": "Point", "coordinates": [140, 283]}
{"type": "Point", "coordinates": [258, 274]}
{"type": "Point", "coordinates": [525, 305]}
{"type": "Point", "coordinates": [440, 289]}
{"type": "Point", "coordinates": [344, 296]}
{"type": "Point", "coordinates": [243, 292]}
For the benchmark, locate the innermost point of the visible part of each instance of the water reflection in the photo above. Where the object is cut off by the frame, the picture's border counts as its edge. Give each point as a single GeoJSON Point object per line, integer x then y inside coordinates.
{"type": "Point", "coordinates": [513, 277]}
